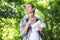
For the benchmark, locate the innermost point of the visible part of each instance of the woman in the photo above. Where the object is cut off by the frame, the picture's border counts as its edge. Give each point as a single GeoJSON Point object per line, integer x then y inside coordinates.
{"type": "Point", "coordinates": [25, 23]}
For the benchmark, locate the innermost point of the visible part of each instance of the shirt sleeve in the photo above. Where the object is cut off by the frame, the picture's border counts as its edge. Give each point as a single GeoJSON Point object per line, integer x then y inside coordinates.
{"type": "Point", "coordinates": [22, 25]}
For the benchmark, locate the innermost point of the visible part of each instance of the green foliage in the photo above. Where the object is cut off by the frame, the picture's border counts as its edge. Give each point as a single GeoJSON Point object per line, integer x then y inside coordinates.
{"type": "Point", "coordinates": [10, 29]}
{"type": "Point", "coordinates": [11, 12]}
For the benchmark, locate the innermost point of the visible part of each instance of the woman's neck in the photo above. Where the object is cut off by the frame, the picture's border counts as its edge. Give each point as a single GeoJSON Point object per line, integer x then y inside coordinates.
{"type": "Point", "coordinates": [30, 15]}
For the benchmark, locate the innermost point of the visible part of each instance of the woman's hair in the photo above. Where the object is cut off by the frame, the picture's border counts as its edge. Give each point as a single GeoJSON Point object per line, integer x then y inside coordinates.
{"type": "Point", "coordinates": [32, 5]}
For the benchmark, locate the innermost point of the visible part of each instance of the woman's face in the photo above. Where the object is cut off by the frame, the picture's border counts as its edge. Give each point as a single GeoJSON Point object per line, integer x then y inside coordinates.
{"type": "Point", "coordinates": [29, 8]}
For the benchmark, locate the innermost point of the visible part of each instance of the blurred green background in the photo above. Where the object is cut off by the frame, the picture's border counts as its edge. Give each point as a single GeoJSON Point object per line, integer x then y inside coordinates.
{"type": "Point", "coordinates": [11, 12]}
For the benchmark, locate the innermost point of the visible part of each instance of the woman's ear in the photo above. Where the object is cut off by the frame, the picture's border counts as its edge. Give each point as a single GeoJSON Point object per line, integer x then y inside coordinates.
{"type": "Point", "coordinates": [33, 10]}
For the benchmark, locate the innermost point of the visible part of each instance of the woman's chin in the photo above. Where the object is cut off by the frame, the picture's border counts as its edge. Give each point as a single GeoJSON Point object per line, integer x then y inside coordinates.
{"type": "Point", "coordinates": [28, 12]}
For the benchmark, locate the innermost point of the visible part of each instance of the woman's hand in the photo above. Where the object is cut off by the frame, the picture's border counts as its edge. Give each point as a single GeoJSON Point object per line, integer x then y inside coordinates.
{"type": "Point", "coordinates": [31, 20]}
{"type": "Point", "coordinates": [40, 30]}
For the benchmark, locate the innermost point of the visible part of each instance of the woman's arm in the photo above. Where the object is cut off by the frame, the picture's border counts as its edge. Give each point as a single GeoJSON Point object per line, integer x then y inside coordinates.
{"type": "Point", "coordinates": [23, 28]}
